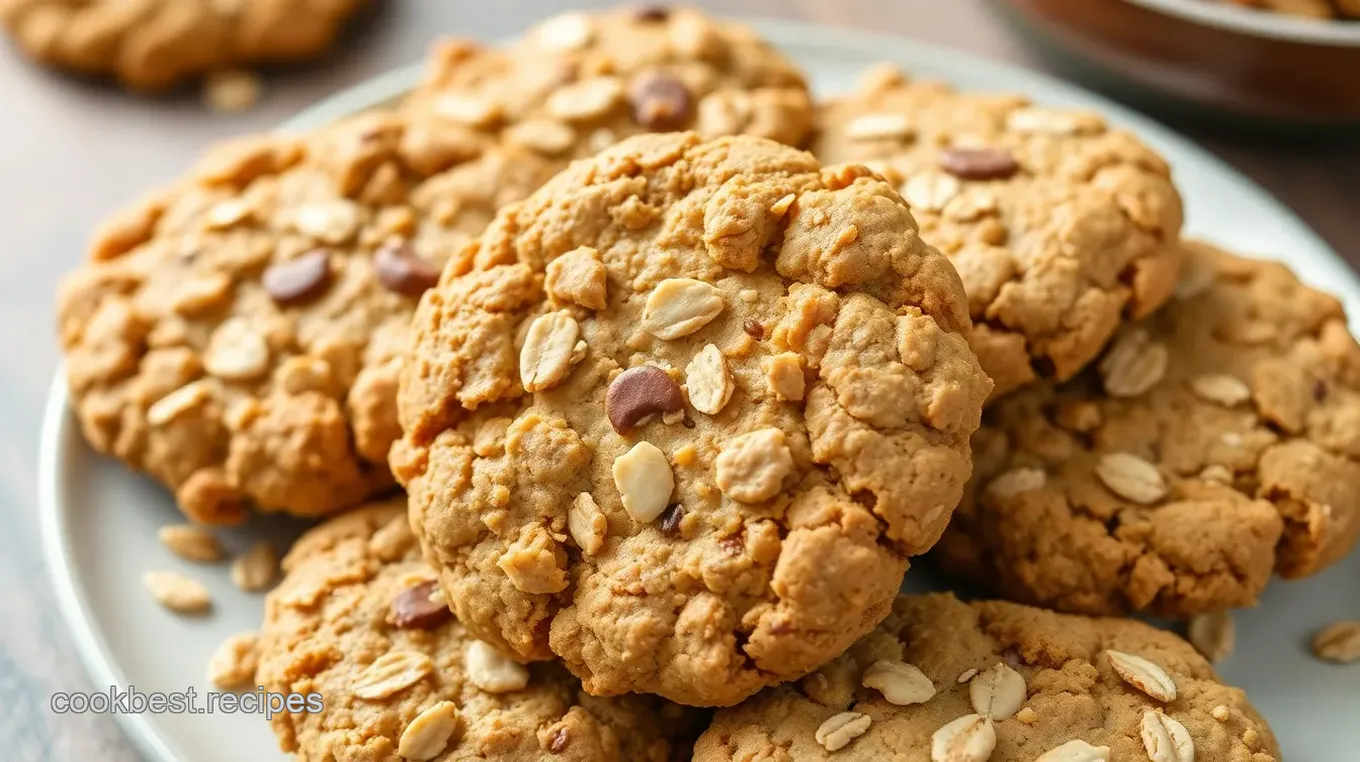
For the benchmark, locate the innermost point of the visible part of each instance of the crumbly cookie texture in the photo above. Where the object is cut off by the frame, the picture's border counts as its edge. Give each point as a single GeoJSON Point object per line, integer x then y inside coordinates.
{"type": "Point", "coordinates": [752, 393]}
{"type": "Point", "coordinates": [401, 679]}
{"type": "Point", "coordinates": [1214, 444]}
{"type": "Point", "coordinates": [152, 45]}
{"type": "Point", "coordinates": [579, 82]}
{"type": "Point", "coordinates": [1061, 227]}
{"type": "Point", "coordinates": [942, 680]}
{"type": "Point", "coordinates": [237, 335]}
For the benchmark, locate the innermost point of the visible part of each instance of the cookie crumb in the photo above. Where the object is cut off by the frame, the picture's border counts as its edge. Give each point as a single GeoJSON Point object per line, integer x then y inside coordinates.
{"type": "Point", "coordinates": [191, 543]}
{"type": "Point", "coordinates": [234, 662]}
{"type": "Point", "coordinates": [1027, 716]}
{"type": "Point", "coordinates": [1221, 713]}
{"type": "Point", "coordinates": [255, 569]}
{"type": "Point", "coordinates": [177, 592]}
{"type": "Point", "coordinates": [1212, 635]}
{"type": "Point", "coordinates": [1338, 642]}
{"type": "Point", "coordinates": [232, 90]}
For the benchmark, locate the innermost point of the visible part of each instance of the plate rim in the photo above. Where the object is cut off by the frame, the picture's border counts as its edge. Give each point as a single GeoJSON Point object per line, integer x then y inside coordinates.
{"type": "Point", "coordinates": [58, 420]}
{"type": "Point", "coordinates": [1259, 22]}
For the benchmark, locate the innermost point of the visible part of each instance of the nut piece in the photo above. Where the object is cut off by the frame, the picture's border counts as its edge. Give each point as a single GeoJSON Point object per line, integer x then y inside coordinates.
{"type": "Point", "coordinates": [639, 392]}
{"type": "Point", "coordinates": [415, 608]}
{"type": "Point", "coordinates": [543, 135]}
{"type": "Point", "coordinates": [784, 374]}
{"type": "Point", "coordinates": [332, 222]}
{"type": "Point", "coordinates": [880, 127]}
{"type": "Point", "coordinates": [978, 163]}
{"type": "Point", "coordinates": [298, 280]}
{"type": "Point", "coordinates": [1143, 675]}
{"type": "Point", "coordinates": [1133, 365]}
{"type": "Point", "coordinates": [838, 731]}
{"type": "Point", "coordinates": [402, 271]}
{"type": "Point", "coordinates": [566, 31]}
{"type": "Point", "coordinates": [588, 526]}
{"type": "Point", "coordinates": [492, 671]}
{"type": "Point", "coordinates": [231, 90]}
{"type": "Point", "coordinates": [680, 306]}
{"type": "Point", "coordinates": [1165, 739]}
{"type": "Point", "coordinates": [531, 562]}
{"type": "Point", "coordinates": [752, 467]}
{"type": "Point", "coordinates": [586, 99]}
{"type": "Point", "coordinates": [930, 191]}
{"type": "Point", "coordinates": [390, 673]}
{"type": "Point", "coordinates": [191, 543]}
{"type": "Point", "coordinates": [234, 662]}
{"type": "Point", "coordinates": [429, 733]}
{"type": "Point", "coordinates": [644, 480]}
{"type": "Point", "coordinates": [1017, 481]}
{"type": "Point", "coordinates": [970, 738]}
{"type": "Point", "coordinates": [578, 277]}
{"type": "Point", "coordinates": [1044, 121]}
{"type": "Point", "coordinates": [1226, 390]}
{"type": "Point", "coordinates": [708, 381]}
{"type": "Point", "coordinates": [1338, 642]}
{"type": "Point", "coordinates": [236, 351]}
{"type": "Point", "coordinates": [177, 592]}
{"type": "Point", "coordinates": [997, 692]}
{"type": "Point", "coordinates": [549, 351]}
{"type": "Point", "coordinates": [1212, 635]}
{"type": "Point", "coordinates": [181, 400]}
{"type": "Point", "coordinates": [1076, 751]}
{"type": "Point", "coordinates": [661, 103]}
{"type": "Point", "coordinates": [900, 683]}
{"type": "Point", "coordinates": [1131, 477]}
{"type": "Point", "coordinates": [467, 110]}
{"type": "Point", "coordinates": [255, 569]}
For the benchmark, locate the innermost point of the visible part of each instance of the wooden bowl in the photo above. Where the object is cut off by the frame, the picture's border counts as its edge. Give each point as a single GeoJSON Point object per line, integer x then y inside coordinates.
{"type": "Point", "coordinates": [1268, 67]}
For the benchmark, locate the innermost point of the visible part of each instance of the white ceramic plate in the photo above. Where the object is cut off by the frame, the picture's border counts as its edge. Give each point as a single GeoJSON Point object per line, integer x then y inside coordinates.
{"type": "Point", "coordinates": [99, 521]}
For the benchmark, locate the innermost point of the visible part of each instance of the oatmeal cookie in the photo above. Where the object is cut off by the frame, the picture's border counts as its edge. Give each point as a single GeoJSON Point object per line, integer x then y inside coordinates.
{"type": "Point", "coordinates": [1212, 445]}
{"type": "Point", "coordinates": [237, 335]}
{"type": "Point", "coordinates": [945, 680]}
{"type": "Point", "coordinates": [681, 416]}
{"type": "Point", "coordinates": [152, 45]}
{"type": "Point", "coordinates": [1061, 227]}
{"type": "Point", "coordinates": [579, 82]}
{"type": "Point", "coordinates": [353, 621]}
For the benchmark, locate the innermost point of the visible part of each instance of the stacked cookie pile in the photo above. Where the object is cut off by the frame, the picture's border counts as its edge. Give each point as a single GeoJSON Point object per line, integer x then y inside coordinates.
{"type": "Point", "coordinates": [673, 418]}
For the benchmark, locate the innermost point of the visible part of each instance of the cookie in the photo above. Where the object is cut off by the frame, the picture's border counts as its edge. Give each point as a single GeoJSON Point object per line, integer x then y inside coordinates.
{"type": "Point", "coordinates": [151, 45]}
{"type": "Point", "coordinates": [1213, 444]}
{"type": "Point", "coordinates": [401, 679]}
{"type": "Point", "coordinates": [578, 82]}
{"type": "Point", "coordinates": [682, 415]}
{"type": "Point", "coordinates": [1061, 226]}
{"type": "Point", "coordinates": [237, 335]}
{"type": "Point", "coordinates": [943, 680]}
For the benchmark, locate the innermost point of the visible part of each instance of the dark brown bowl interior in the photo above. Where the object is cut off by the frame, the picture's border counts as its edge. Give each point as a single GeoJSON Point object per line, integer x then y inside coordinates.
{"type": "Point", "coordinates": [1234, 70]}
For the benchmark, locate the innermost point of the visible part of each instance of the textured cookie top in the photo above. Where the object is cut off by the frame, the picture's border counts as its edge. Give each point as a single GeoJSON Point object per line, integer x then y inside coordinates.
{"type": "Point", "coordinates": [945, 681]}
{"type": "Point", "coordinates": [579, 82]}
{"type": "Point", "coordinates": [154, 44]}
{"type": "Point", "coordinates": [237, 335]}
{"type": "Point", "coordinates": [353, 621]}
{"type": "Point", "coordinates": [719, 394]}
{"type": "Point", "coordinates": [1214, 443]}
{"type": "Point", "coordinates": [1060, 226]}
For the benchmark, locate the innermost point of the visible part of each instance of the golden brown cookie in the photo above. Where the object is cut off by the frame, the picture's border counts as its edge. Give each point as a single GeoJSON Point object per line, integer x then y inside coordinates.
{"type": "Point", "coordinates": [155, 44]}
{"type": "Point", "coordinates": [578, 82]}
{"type": "Point", "coordinates": [681, 416]}
{"type": "Point", "coordinates": [941, 680]}
{"type": "Point", "coordinates": [237, 335]}
{"type": "Point", "coordinates": [401, 679]}
{"type": "Point", "coordinates": [1061, 227]}
{"type": "Point", "coordinates": [1214, 444]}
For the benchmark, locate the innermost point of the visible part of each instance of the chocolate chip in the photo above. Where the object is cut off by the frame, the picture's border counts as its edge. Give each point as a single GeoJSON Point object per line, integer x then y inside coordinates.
{"type": "Point", "coordinates": [559, 741]}
{"type": "Point", "coordinates": [639, 392]}
{"type": "Point", "coordinates": [1319, 390]}
{"type": "Point", "coordinates": [298, 280]}
{"type": "Point", "coordinates": [670, 520]}
{"type": "Point", "coordinates": [978, 163]}
{"type": "Point", "coordinates": [652, 13]}
{"type": "Point", "coordinates": [413, 609]}
{"type": "Point", "coordinates": [754, 328]}
{"type": "Point", "coordinates": [399, 268]}
{"type": "Point", "coordinates": [661, 103]}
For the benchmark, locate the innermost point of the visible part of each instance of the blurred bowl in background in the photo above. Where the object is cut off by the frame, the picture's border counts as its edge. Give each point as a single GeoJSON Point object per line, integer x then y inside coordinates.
{"type": "Point", "coordinates": [1209, 59]}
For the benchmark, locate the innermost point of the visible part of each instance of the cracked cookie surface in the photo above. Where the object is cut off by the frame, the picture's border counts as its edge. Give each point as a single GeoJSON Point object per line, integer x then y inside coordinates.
{"type": "Point", "coordinates": [1214, 444]}
{"type": "Point", "coordinates": [1048, 682]}
{"type": "Point", "coordinates": [155, 44]}
{"type": "Point", "coordinates": [579, 82]}
{"type": "Point", "coordinates": [1061, 226]}
{"type": "Point", "coordinates": [237, 334]}
{"type": "Point", "coordinates": [752, 396]}
{"type": "Point", "coordinates": [401, 679]}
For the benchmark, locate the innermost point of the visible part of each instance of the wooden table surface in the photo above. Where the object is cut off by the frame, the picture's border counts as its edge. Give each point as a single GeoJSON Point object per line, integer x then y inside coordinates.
{"type": "Point", "coordinates": [72, 151]}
